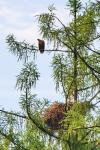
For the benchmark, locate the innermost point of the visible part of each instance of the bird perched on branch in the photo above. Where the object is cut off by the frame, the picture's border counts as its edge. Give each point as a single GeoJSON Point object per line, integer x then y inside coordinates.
{"type": "Point", "coordinates": [41, 45]}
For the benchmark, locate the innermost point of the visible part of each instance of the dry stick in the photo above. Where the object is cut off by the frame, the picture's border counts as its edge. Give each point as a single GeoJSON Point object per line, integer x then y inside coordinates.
{"type": "Point", "coordinates": [91, 68]}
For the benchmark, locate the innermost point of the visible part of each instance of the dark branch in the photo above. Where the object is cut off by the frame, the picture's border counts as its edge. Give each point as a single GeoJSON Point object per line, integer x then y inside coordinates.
{"type": "Point", "coordinates": [14, 114]}
{"type": "Point", "coordinates": [86, 88]}
{"type": "Point", "coordinates": [84, 137]}
{"type": "Point", "coordinates": [49, 50]}
{"type": "Point", "coordinates": [82, 44]}
{"type": "Point", "coordinates": [98, 92]}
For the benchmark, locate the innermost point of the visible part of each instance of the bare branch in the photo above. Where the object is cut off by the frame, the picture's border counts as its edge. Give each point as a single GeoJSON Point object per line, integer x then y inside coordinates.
{"type": "Point", "coordinates": [14, 114]}
{"type": "Point", "coordinates": [49, 50]}
{"type": "Point", "coordinates": [89, 48]}
{"type": "Point", "coordinates": [98, 92]}
{"type": "Point", "coordinates": [86, 88]}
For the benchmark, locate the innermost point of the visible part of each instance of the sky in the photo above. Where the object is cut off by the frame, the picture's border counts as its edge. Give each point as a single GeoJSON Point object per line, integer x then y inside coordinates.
{"type": "Point", "coordinates": [18, 17]}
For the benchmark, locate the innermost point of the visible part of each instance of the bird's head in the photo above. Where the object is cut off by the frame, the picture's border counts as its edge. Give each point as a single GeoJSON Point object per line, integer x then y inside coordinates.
{"type": "Point", "coordinates": [38, 39]}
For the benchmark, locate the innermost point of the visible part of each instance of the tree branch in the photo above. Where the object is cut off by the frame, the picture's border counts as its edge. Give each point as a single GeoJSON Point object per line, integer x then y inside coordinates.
{"type": "Point", "coordinates": [84, 137]}
{"type": "Point", "coordinates": [82, 44]}
{"type": "Point", "coordinates": [94, 96]}
{"type": "Point", "coordinates": [51, 50]}
{"type": "Point", "coordinates": [86, 88]}
{"type": "Point", "coordinates": [15, 114]}
{"type": "Point", "coordinates": [88, 127]}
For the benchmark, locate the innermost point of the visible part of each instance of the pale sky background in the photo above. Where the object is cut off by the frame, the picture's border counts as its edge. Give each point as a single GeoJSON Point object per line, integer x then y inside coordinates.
{"type": "Point", "coordinates": [17, 17]}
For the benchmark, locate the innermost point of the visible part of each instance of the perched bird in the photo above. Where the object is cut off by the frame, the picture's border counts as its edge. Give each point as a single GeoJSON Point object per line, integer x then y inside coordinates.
{"type": "Point", "coordinates": [41, 45]}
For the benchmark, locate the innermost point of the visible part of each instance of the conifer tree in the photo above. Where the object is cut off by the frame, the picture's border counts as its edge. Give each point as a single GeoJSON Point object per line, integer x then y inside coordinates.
{"type": "Point", "coordinates": [76, 72]}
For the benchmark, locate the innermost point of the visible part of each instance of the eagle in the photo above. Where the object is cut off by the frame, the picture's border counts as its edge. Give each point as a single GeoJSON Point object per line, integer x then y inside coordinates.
{"type": "Point", "coordinates": [41, 45]}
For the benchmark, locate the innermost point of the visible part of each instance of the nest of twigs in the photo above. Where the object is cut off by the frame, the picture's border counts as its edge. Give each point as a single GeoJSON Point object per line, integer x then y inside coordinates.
{"type": "Point", "coordinates": [55, 113]}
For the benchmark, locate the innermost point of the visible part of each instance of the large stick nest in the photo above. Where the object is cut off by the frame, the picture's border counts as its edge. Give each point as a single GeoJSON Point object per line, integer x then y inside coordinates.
{"type": "Point", "coordinates": [55, 113]}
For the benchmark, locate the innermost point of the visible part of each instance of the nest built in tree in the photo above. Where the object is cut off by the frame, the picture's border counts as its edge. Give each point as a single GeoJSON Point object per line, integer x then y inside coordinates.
{"type": "Point", "coordinates": [55, 113]}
